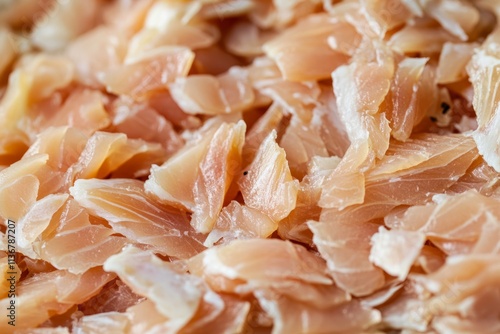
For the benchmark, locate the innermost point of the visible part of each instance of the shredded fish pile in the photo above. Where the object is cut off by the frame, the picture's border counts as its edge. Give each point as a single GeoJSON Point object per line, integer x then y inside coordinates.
{"type": "Point", "coordinates": [237, 166]}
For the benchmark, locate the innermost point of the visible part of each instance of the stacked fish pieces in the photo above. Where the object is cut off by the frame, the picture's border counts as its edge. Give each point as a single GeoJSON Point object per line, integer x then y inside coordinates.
{"type": "Point", "coordinates": [236, 166]}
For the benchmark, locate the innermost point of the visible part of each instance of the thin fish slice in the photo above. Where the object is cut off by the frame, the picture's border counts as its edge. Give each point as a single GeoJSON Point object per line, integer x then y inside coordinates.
{"type": "Point", "coordinates": [63, 145]}
{"type": "Point", "coordinates": [238, 221]}
{"type": "Point", "coordinates": [193, 36]}
{"type": "Point", "coordinates": [57, 230]}
{"type": "Point", "coordinates": [211, 95]}
{"type": "Point", "coordinates": [106, 153]}
{"type": "Point", "coordinates": [95, 52]}
{"type": "Point", "coordinates": [34, 173]}
{"type": "Point", "coordinates": [345, 186]}
{"type": "Point", "coordinates": [410, 174]}
{"type": "Point", "coordinates": [17, 195]}
{"type": "Point", "coordinates": [216, 171]}
{"type": "Point", "coordinates": [452, 62]}
{"type": "Point", "coordinates": [83, 109]}
{"type": "Point", "coordinates": [35, 78]}
{"type": "Point", "coordinates": [71, 242]}
{"type": "Point", "coordinates": [48, 73]}
{"type": "Point", "coordinates": [457, 17]}
{"type": "Point", "coordinates": [483, 72]}
{"type": "Point", "coordinates": [47, 294]}
{"type": "Point", "coordinates": [372, 66]}
{"type": "Point", "coordinates": [130, 212]}
{"type": "Point", "coordinates": [268, 185]}
{"type": "Point", "coordinates": [346, 248]}
{"type": "Point", "coordinates": [164, 183]}
{"type": "Point", "coordinates": [257, 262]}
{"type": "Point", "coordinates": [426, 40]}
{"type": "Point", "coordinates": [145, 318]}
{"type": "Point", "coordinates": [208, 164]}
{"type": "Point", "coordinates": [302, 52]}
{"type": "Point", "coordinates": [152, 71]}
{"type": "Point", "coordinates": [402, 103]}
{"type": "Point", "coordinates": [64, 22]}
{"type": "Point", "coordinates": [385, 15]}
{"type": "Point", "coordinates": [190, 303]}
{"type": "Point", "coordinates": [453, 223]}
{"type": "Point", "coordinates": [36, 220]}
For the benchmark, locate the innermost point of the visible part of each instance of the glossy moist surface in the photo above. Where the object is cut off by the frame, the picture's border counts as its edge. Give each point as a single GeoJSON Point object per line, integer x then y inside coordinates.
{"type": "Point", "coordinates": [266, 166]}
